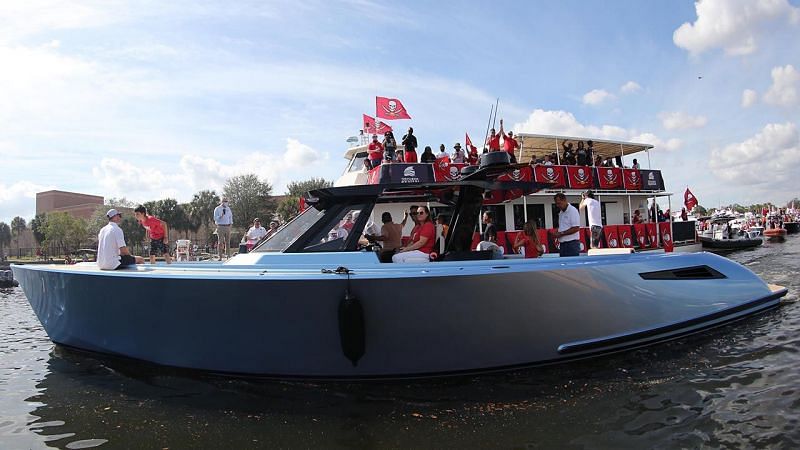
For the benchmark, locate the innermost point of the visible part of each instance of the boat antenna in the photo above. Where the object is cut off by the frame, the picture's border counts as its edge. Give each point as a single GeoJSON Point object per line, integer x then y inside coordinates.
{"type": "Point", "coordinates": [496, 104]}
{"type": "Point", "coordinates": [487, 127]}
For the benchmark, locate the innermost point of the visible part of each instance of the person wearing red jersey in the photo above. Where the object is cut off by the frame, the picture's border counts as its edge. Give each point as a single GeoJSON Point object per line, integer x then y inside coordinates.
{"type": "Point", "coordinates": [528, 241]}
{"type": "Point", "coordinates": [493, 141]}
{"type": "Point", "coordinates": [375, 152]}
{"type": "Point", "coordinates": [510, 144]}
{"type": "Point", "coordinates": [423, 238]}
{"type": "Point", "coordinates": [157, 231]}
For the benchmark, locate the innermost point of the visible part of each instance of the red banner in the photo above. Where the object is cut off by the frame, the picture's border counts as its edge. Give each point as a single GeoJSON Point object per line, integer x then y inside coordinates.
{"type": "Point", "coordinates": [641, 234]}
{"type": "Point", "coordinates": [580, 177]}
{"type": "Point", "coordinates": [625, 236]}
{"type": "Point", "coordinates": [612, 238]}
{"type": "Point", "coordinates": [373, 127]}
{"type": "Point", "coordinates": [689, 199]}
{"type": "Point", "coordinates": [609, 177]}
{"type": "Point", "coordinates": [542, 233]}
{"type": "Point", "coordinates": [521, 174]}
{"type": "Point", "coordinates": [549, 174]}
{"type": "Point", "coordinates": [583, 240]}
{"type": "Point", "coordinates": [390, 109]}
{"type": "Point", "coordinates": [652, 234]}
{"type": "Point", "coordinates": [632, 179]}
{"type": "Point", "coordinates": [666, 235]}
{"type": "Point", "coordinates": [374, 175]}
{"type": "Point", "coordinates": [552, 240]}
{"type": "Point", "coordinates": [447, 171]}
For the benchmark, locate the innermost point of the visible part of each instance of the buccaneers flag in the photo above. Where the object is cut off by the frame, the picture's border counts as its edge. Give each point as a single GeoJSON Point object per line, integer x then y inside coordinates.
{"type": "Point", "coordinates": [689, 199]}
{"type": "Point", "coordinates": [470, 147]}
{"type": "Point", "coordinates": [373, 127]}
{"type": "Point", "coordinates": [390, 109]}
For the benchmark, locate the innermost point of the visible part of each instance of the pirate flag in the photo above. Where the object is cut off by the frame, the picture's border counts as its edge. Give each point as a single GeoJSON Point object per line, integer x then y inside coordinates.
{"type": "Point", "coordinates": [689, 199]}
{"type": "Point", "coordinates": [390, 109]}
{"type": "Point", "coordinates": [373, 127]}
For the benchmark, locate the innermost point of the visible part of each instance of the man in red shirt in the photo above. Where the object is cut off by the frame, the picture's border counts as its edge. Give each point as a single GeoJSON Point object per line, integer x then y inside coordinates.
{"type": "Point", "coordinates": [375, 152]}
{"type": "Point", "coordinates": [157, 231]}
{"type": "Point", "coordinates": [493, 141]}
{"type": "Point", "coordinates": [510, 144]}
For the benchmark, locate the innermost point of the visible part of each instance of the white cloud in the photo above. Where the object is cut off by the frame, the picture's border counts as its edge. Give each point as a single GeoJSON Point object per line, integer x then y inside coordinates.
{"type": "Point", "coordinates": [681, 121]}
{"type": "Point", "coordinates": [597, 96]}
{"type": "Point", "coordinates": [19, 199]}
{"type": "Point", "coordinates": [630, 87]}
{"type": "Point", "coordinates": [749, 98]}
{"type": "Point", "coordinates": [775, 152]}
{"type": "Point", "coordinates": [21, 19]}
{"type": "Point", "coordinates": [563, 123]}
{"type": "Point", "coordinates": [191, 173]}
{"type": "Point", "coordinates": [734, 26]}
{"type": "Point", "coordinates": [785, 87]}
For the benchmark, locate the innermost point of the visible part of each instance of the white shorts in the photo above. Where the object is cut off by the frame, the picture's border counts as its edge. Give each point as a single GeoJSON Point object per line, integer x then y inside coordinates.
{"type": "Point", "coordinates": [414, 256]}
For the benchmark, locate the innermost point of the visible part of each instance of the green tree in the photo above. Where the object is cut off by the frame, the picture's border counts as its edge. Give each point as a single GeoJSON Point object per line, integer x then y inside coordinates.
{"type": "Point", "coordinates": [700, 210]}
{"type": "Point", "coordinates": [289, 206]}
{"type": "Point", "coordinates": [65, 231]}
{"type": "Point", "coordinates": [18, 225]}
{"type": "Point", "coordinates": [201, 208]}
{"type": "Point", "coordinates": [37, 227]}
{"type": "Point", "coordinates": [249, 198]}
{"type": "Point", "coordinates": [5, 239]}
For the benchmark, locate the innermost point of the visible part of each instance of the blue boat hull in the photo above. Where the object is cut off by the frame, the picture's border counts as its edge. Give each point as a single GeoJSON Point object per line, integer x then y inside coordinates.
{"type": "Point", "coordinates": [435, 319]}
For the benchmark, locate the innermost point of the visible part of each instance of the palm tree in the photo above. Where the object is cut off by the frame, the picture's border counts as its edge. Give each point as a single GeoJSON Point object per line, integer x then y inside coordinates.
{"type": "Point", "coordinates": [18, 225]}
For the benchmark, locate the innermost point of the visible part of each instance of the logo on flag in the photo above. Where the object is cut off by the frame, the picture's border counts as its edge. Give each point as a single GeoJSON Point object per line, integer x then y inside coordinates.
{"type": "Point", "coordinates": [390, 109]}
{"type": "Point", "coordinates": [611, 176]}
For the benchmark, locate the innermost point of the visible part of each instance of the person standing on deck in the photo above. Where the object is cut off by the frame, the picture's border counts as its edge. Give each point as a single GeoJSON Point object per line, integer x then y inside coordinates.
{"type": "Point", "coordinates": [510, 145]}
{"type": "Point", "coordinates": [375, 152]}
{"type": "Point", "coordinates": [493, 141]}
{"type": "Point", "coordinates": [157, 231]}
{"type": "Point", "coordinates": [223, 218]}
{"type": "Point", "coordinates": [569, 226]}
{"type": "Point", "coordinates": [410, 146]}
{"type": "Point", "coordinates": [595, 218]}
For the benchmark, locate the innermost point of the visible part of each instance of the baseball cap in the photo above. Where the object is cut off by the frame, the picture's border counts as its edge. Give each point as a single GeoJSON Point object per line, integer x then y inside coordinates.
{"type": "Point", "coordinates": [112, 212]}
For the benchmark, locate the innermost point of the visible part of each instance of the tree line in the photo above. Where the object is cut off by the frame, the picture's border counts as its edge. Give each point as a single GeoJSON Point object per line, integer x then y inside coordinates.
{"type": "Point", "coordinates": [249, 197]}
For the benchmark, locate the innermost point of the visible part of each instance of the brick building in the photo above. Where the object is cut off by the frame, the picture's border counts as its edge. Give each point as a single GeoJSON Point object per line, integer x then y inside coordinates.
{"type": "Point", "coordinates": [78, 205]}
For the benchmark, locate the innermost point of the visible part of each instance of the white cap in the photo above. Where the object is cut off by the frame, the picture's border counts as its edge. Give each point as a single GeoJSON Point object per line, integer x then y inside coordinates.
{"type": "Point", "coordinates": [111, 213]}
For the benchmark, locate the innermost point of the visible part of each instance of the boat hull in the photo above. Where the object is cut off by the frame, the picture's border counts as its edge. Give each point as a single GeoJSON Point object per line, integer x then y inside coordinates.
{"type": "Point", "coordinates": [792, 227]}
{"type": "Point", "coordinates": [428, 320]}
{"type": "Point", "coordinates": [729, 244]}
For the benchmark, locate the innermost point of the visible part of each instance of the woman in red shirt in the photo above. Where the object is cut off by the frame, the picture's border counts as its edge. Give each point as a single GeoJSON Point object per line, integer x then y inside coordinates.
{"type": "Point", "coordinates": [423, 238]}
{"type": "Point", "coordinates": [529, 240]}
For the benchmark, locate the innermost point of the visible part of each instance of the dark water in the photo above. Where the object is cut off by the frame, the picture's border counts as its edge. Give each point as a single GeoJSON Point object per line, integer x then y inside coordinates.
{"type": "Point", "coordinates": [736, 387]}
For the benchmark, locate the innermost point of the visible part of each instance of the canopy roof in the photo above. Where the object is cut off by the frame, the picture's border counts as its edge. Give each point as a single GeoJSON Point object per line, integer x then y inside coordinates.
{"type": "Point", "coordinates": [537, 145]}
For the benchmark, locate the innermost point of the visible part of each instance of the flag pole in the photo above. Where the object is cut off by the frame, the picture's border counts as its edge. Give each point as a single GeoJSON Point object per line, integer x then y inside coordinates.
{"type": "Point", "coordinates": [497, 103]}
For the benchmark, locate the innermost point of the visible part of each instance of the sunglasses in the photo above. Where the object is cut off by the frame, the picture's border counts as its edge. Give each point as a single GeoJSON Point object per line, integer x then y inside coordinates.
{"type": "Point", "coordinates": [419, 213]}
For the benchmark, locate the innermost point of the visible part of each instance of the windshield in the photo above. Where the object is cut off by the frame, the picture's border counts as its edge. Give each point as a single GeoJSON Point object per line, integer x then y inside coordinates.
{"type": "Point", "coordinates": [357, 163]}
{"type": "Point", "coordinates": [282, 238]}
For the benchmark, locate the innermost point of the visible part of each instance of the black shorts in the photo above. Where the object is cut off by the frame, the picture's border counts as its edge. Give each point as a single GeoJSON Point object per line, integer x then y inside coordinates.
{"type": "Point", "coordinates": [158, 247]}
{"type": "Point", "coordinates": [126, 261]}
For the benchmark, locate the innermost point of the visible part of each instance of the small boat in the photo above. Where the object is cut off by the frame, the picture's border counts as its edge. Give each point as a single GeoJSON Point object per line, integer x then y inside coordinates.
{"type": "Point", "coordinates": [720, 235]}
{"type": "Point", "coordinates": [792, 227]}
{"type": "Point", "coordinates": [310, 302]}
{"type": "Point", "coordinates": [775, 233]}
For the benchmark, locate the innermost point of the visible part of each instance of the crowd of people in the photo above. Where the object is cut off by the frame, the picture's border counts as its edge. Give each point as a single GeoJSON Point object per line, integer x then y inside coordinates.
{"type": "Point", "coordinates": [578, 153]}
{"type": "Point", "coordinates": [113, 253]}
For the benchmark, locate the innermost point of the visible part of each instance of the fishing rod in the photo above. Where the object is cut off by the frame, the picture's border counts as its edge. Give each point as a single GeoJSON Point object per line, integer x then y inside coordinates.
{"type": "Point", "coordinates": [487, 128]}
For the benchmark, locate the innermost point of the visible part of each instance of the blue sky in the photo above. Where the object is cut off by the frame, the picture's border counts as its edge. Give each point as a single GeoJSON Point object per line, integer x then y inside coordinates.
{"type": "Point", "coordinates": [141, 100]}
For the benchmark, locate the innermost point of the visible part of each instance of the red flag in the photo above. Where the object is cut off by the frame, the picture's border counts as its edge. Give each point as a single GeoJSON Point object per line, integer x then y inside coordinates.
{"type": "Point", "coordinates": [549, 174]}
{"type": "Point", "coordinates": [609, 177]}
{"type": "Point", "coordinates": [689, 199]}
{"type": "Point", "coordinates": [666, 237]}
{"type": "Point", "coordinates": [390, 109]}
{"type": "Point", "coordinates": [470, 147]}
{"type": "Point", "coordinates": [632, 179]}
{"type": "Point", "coordinates": [373, 127]}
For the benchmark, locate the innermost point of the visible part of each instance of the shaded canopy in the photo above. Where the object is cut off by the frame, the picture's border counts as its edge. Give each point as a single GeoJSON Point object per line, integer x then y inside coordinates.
{"type": "Point", "coordinates": [537, 145]}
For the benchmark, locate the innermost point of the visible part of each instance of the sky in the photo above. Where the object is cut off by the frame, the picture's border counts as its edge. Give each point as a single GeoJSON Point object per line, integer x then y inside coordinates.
{"type": "Point", "coordinates": [150, 99]}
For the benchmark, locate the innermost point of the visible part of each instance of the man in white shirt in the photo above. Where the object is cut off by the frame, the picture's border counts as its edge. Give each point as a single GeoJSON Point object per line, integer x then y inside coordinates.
{"type": "Point", "coordinates": [255, 233]}
{"type": "Point", "coordinates": [595, 218]}
{"type": "Point", "coordinates": [223, 218]}
{"type": "Point", "coordinates": [112, 253]}
{"type": "Point", "coordinates": [569, 226]}
{"type": "Point", "coordinates": [458, 154]}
